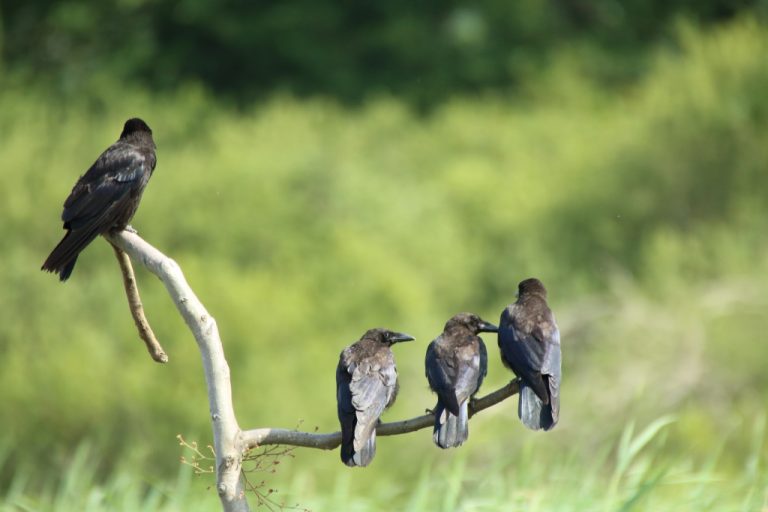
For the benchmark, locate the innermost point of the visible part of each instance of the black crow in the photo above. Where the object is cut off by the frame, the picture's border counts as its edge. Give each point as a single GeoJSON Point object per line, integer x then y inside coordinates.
{"type": "Point", "coordinates": [366, 384]}
{"type": "Point", "coordinates": [456, 363]}
{"type": "Point", "coordinates": [105, 197]}
{"type": "Point", "coordinates": [530, 346]}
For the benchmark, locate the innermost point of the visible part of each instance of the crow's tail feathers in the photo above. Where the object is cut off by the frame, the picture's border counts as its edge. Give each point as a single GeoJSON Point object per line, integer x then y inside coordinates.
{"type": "Point", "coordinates": [451, 430]}
{"type": "Point", "coordinates": [363, 456]}
{"type": "Point", "coordinates": [64, 256]}
{"type": "Point", "coordinates": [533, 412]}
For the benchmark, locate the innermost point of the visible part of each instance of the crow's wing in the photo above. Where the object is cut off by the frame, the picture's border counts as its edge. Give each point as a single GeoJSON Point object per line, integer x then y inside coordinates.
{"type": "Point", "coordinates": [551, 369]}
{"type": "Point", "coordinates": [472, 363]}
{"type": "Point", "coordinates": [345, 409]}
{"type": "Point", "coordinates": [372, 386]}
{"type": "Point", "coordinates": [441, 372]}
{"type": "Point", "coordinates": [523, 349]}
{"type": "Point", "coordinates": [107, 184]}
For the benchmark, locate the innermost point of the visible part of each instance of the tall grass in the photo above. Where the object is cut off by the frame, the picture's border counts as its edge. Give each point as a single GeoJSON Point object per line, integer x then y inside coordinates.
{"type": "Point", "coordinates": [637, 474]}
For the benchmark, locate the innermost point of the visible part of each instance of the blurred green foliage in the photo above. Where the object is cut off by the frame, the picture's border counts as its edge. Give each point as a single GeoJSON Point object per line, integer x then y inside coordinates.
{"type": "Point", "coordinates": [301, 223]}
{"type": "Point", "coordinates": [422, 51]}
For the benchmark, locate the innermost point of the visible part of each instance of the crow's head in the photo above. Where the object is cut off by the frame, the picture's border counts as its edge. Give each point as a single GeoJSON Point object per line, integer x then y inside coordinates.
{"type": "Point", "coordinates": [387, 337]}
{"type": "Point", "coordinates": [134, 125]}
{"type": "Point", "coordinates": [471, 322]}
{"type": "Point", "coordinates": [531, 286]}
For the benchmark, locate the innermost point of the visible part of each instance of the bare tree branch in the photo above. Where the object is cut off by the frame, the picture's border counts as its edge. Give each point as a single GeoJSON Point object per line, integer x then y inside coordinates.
{"type": "Point", "coordinates": [229, 483]}
{"type": "Point", "coordinates": [137, 309]}
{"type": "Point", "coordinates": [264, 436]}
{"type": "Point", "coordinates": [231, 443]}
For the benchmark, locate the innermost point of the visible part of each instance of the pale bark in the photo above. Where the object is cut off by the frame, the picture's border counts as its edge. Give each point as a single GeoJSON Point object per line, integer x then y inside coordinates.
{"type": "Point", "coordinates": [230, 443]}
{"type": "Point", "coordinates": [267, 436]}
{"type": "Point", "coordinates": [229, 483]}
{"type": "Point", "coordinates": [137, 308]}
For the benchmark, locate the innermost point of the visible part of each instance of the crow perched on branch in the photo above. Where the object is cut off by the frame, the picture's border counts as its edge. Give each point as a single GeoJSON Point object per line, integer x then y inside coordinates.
{"type": "Point", "coordinates": [529, 341]}
{"type": "Point", "coordinates": [106, 197]}
{"type": "Point", "coordinates": [456, 363]}
{"type": "Point", "coordinates": [366, 384]}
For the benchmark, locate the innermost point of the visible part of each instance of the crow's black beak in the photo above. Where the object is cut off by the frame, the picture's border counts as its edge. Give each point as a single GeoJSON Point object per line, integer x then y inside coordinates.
{"type": "Point", "coordinates": [488, 327]}
{"type": "Point", "coordinates": [397, 337]}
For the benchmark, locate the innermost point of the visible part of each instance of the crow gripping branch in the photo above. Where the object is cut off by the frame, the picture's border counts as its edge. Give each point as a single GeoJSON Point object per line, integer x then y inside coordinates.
{"type": "Point", "coordinates": [264, 436]}
{"type": "Point", "coordinates": [230, 442]}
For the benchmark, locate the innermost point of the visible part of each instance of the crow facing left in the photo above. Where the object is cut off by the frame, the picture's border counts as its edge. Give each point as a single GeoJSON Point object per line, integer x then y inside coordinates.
{"type": "Point", "coordinates": [106, 197]}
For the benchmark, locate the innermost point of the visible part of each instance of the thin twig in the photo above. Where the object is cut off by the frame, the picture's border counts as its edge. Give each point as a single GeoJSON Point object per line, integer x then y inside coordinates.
{"type": "Point", "coordinates": [263, 436]}
{"type": "Point", "coordinates": [137, 309]}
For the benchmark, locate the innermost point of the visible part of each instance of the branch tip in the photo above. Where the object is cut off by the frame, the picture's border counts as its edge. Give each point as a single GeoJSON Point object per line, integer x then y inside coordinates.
{"type": "Point", "coordinates": [154, 348]}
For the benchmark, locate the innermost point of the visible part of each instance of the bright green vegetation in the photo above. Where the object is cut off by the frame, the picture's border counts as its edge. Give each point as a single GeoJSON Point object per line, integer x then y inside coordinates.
{"type": "Point", "coordinates": [635, 475]}
{"type": "Point", "coordinates": [302, 223]}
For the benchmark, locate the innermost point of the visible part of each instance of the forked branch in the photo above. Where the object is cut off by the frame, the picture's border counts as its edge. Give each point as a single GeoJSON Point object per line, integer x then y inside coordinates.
{"type": "Point", "coordinates": [230, 443]}
{"type": "Point", "coordinates": [229, 483]}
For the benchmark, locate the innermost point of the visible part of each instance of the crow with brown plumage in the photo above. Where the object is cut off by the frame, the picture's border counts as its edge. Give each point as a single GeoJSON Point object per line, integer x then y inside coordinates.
{"type": "Point", "coordinates": [456, 363]}
{"type": "Point", "coordinates": [366, 384]}
{"type": "Point", "coordinates": [529, 341]}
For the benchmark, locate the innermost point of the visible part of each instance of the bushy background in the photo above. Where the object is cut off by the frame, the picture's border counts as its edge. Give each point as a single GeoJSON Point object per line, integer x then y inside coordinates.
{"type": "Point", "coordinates": [623, 162]}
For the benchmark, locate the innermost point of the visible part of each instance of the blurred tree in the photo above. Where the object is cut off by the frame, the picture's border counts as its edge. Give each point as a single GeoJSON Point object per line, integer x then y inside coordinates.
{"type": "Point", "coordinates": [423, 51]}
